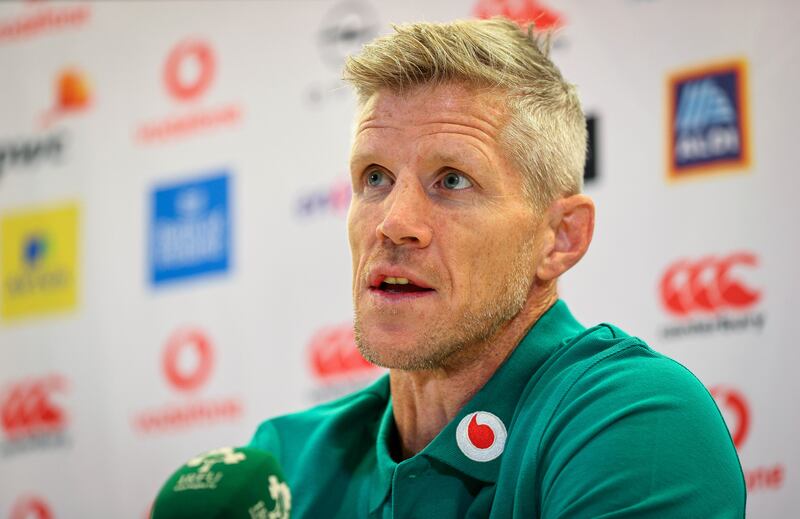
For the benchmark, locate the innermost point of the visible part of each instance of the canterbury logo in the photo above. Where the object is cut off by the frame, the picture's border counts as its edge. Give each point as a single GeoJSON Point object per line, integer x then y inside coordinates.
{"type": "Point", "coordinates": [27, 408]}
{"type": "Point", "coordinates": [703, 103]}
{"type": "Point", "coordinates": [708, 285]}
{"type": "Point", "coordinates": [333, 352]}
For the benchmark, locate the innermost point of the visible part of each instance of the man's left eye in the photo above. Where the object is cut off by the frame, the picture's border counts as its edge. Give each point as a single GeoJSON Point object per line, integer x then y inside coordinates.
{"type": "Point", "coordinates": [455, 181]}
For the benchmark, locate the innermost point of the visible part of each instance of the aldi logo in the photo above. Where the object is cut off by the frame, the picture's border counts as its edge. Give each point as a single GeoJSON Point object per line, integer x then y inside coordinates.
{"type": "Point", "coordinates": [708, 120]}
{"type": "Point", "coordinates": [190, 229]}
{"type": "Point", "coordinates": [39, 261]}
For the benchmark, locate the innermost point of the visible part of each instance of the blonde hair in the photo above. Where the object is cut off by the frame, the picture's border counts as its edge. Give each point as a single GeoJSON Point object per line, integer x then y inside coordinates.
{"type": "Point", "coordinates": [545, 134]}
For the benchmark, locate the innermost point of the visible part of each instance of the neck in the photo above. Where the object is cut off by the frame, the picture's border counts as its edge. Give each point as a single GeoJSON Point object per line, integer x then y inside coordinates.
{"type": "Point", "coordinates": [425, 401]}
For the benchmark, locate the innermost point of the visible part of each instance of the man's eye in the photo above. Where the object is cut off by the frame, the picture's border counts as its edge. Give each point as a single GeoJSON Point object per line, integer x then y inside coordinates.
{"type": "Point", "coordinates": [455, 181]}
{"type": "Point", "coordinates": [377, 178]}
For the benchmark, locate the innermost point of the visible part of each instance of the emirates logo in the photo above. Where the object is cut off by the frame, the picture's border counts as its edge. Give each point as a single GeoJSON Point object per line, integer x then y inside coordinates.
{"type": "Point", "coordinates": [481, 436]}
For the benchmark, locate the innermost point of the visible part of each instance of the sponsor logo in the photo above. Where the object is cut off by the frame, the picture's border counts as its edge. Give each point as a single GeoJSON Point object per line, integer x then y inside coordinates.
{"type": "Point", "coordinates": [190, 229]}
{"type": "Point", "coordinates": [189, 70]}
{"type": "Point", "coordinates": [30, 417]}
{"type": "Point", "coordinates": [709, 294]}
{"type": "Point", "coordinates": [524, 12]}
{"type": "Point", "coordinates": [204, 478]}
{"type": "Point", "coordinates": [590, 172]}
{"type": "Point", "coordinates": [29, 152]}
{"type": "Point", "coordinates": [736, 411]}
{"type": "Point", "coordinates": [188, 75]}
{"type": "Point", "coordinates": [73, 94]}
{"type": "Point", "coordinates": [336, 364]}
{"type": "Point", "coordinates": [333, 199]}
{"type": "Point", "coordinates": [39, 261]}
{"type": "Point", "coordinates": [40, 19]}
{"type": "Point", "coordinates": [187, 364]}
{"type": "Point", "coordinates": [481, 436]}
{"type": "Point", "coordinates": [708, 120]}
{"type": "Point", "coordinates": [31, 507]}
{"type": "Point", "coordinates": [188, 342]}
{"type": "Point", "coordinates": [345, 28]}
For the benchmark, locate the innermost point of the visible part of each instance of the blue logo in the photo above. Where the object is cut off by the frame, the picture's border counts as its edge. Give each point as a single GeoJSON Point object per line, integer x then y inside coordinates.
{"type": "Point", "coordinates": [190, 231]}
{"type": "Point", "coordinates": [708, 120]}
{"type": "Point", "coordinates": [33, 249]}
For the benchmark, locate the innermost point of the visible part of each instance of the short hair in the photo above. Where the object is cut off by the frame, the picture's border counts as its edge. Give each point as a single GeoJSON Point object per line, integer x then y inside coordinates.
{"type": "Point", "coordinates": [545, 134]}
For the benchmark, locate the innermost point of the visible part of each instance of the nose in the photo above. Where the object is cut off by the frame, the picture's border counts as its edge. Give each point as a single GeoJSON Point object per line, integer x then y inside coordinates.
{"type": "Point", "coordinates": [406, 221]}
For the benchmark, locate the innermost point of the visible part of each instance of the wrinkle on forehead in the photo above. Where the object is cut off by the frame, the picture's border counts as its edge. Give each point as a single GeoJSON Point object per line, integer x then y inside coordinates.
{"type": "Point", "coordinates": [426, 109]}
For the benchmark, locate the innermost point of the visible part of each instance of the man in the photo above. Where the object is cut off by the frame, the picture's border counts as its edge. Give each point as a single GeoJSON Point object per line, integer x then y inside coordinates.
{"type": "Point", "coordinates": [466, 168]}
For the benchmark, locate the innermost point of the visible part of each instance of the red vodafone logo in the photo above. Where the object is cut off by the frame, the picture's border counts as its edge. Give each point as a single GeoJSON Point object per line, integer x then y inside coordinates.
{"type": "Point", "coordinates": [736, 412]}
{"type": "Point", "coordinates": [188, 359]}
{"type": "Point", "coordinates": [708, 285]}
{"type": "Point", "coordinates": [333, 353]}
{"type": "Point", "coordinates": [521, 11]}
{"type": "Point", "coordinates": [189, 69]}
{"type": "Point", "coordinates": [481, 436]}
{"type": "Point", "coordinates": [31, 508]}
{"type": "Point", "coordinates": [28, 409]}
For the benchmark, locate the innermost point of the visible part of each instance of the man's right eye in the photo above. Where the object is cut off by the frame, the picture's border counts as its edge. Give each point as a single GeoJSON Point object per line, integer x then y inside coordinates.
{"type": "Point", "coordinates": [377, 178]}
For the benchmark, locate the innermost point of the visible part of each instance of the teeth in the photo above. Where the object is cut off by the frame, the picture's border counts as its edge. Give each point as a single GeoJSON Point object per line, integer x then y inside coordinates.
{"type": "Point", "coordinates": [396, 281]}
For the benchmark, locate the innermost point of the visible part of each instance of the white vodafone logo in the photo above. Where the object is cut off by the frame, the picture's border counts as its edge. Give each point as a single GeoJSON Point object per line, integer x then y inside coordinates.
{"type": "Point", "coordinates": [481, 436]}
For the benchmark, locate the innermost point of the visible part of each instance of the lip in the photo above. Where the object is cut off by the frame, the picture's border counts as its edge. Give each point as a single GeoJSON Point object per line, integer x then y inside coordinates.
{"type": "Point", "coordinates": [380, 272]}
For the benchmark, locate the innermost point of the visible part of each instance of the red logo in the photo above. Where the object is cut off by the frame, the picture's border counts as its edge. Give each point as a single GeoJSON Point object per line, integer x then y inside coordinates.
{"type": "Point", "coordinates": [31, 508]}
{"type": "Point", "coordinates": [523, 12]}
{"type": "Point", "coordinates": [708, 285]}
{"type": "Point", "coordinates": [481, 436]}
{"type": "Point", "coordinates": [188, 359]}
{"type": "Point", "coordinates": [27, 409]}
{"type": "Point", "coordinates": [333, 353]}
{"type": "Point", "coordinates": [43, 18]}
{"type": "Point", "coordinates": [189, 70]}
{"type": "Point", "coordinates": [736, 412]}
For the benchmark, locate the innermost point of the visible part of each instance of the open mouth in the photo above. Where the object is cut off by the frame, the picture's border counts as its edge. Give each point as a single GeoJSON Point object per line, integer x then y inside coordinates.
{"type": "Point", "coordinates": [397, 285]}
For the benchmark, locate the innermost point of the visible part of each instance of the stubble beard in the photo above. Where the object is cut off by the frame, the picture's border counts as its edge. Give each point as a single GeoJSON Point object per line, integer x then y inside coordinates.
{"type": "Point", "coordinates": [474, 328]}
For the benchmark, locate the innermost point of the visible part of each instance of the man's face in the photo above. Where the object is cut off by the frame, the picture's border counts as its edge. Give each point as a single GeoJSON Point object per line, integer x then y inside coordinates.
{"type": "Point", "coordinates": [440, 232]}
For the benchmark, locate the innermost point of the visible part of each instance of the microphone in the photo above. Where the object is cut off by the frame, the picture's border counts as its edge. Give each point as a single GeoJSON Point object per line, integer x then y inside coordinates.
{"type": "Point", "coordinates": [228, 482]}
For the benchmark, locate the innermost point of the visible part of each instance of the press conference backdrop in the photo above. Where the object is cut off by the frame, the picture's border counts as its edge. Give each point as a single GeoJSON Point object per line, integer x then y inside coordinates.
{"type": "Point", "coordinates": [173, 193]}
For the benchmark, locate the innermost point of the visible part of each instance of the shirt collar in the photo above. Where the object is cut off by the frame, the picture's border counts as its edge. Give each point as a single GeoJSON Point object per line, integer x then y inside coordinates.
{"type": "Point", "coordinates": [500, 396]}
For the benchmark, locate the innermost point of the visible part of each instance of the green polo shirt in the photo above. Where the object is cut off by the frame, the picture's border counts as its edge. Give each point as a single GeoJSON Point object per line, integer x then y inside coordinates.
{"type": "Point", "coordinates": [594, 423]}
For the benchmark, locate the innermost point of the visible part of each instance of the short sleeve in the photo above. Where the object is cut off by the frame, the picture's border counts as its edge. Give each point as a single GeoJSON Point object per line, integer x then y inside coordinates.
{"type": "Point", "coordinates": [637, 435]}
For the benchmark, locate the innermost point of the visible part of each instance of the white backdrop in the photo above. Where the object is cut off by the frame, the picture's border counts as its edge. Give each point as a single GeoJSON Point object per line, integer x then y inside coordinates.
{"type": "Point", "coordinates": [173, 191]}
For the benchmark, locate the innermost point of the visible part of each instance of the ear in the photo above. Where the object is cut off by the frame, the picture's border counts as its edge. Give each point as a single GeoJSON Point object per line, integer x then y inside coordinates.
{"type": "Point", "coordinates": [566, 231]}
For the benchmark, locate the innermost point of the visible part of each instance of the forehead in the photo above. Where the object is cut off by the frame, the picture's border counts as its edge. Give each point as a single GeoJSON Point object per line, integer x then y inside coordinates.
{"type": "Point", "coordinates": [425, 107]}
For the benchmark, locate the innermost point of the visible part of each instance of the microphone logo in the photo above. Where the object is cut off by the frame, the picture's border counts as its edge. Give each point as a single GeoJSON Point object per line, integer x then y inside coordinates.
{"type": "Point", "coordinates": [481, 436]}
{"type": "Point", "coordinates": [224, 455]}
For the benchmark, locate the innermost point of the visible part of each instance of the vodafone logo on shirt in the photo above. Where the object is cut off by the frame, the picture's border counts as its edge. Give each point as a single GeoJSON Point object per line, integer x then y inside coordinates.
{"type": "Point", "coordinates": [481, 436]}
{"type": "Point", "coordinates": [31, 508]}
{"type": "Point", "coordinates": [709, 285]}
